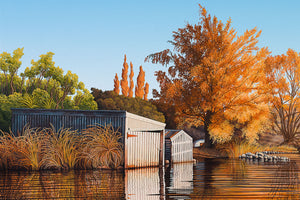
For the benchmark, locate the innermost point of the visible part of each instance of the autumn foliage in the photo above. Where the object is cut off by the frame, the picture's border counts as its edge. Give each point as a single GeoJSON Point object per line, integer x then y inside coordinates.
{"type": "Point", "coordinates": [283, 79]}
{"type": "Point", "coordinates": [116, 84]}
{"type": "Point", "coordinates": [131, 80]}
{"type": "Point", "coordinates": [146, 91]}
{"type": "Point", "coordinates": [214, 78]}
{"type": "Point", "coordinates": [124, 80]}
{"type": "Point", "coordinates": [139, 88]}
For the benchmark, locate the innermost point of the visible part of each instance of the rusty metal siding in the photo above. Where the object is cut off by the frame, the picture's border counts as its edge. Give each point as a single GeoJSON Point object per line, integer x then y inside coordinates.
{"type": "Point", "coordinates": [74, 119]}
{"type": "Point", "coordinates": [142, 149]}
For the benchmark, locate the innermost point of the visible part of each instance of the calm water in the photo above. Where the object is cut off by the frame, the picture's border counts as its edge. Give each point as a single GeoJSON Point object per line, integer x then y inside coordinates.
{"type": "Point", "coordinates": [208, 179]}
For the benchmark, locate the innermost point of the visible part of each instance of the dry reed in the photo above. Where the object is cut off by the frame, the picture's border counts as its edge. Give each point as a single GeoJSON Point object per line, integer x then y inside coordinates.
{"type": "Point", "coordinates": [37, 149]}
{"type": "Point", "coordinates": [102, 147]}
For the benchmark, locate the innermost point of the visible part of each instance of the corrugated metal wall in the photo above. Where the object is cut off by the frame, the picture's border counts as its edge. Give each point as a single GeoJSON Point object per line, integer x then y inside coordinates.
{"type": "Point", "coordinates": [168, 146]}
{"type": "Point", "coordinates": [142, 149]}
{"type": "Point", "coordinates": [182, 147]}
{"type": "Point", "coordinates": [146, 149]}
{"type": "Point", "coordinates": [74, 119]}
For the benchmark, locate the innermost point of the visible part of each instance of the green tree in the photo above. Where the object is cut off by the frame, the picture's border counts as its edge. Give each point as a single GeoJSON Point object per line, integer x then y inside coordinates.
{"type": "Point", "coordinates": [109, 100]}
{"type": "Point", "coordinates": [43, 85]}
{"type": "Point", "coordinates": [9, 65]}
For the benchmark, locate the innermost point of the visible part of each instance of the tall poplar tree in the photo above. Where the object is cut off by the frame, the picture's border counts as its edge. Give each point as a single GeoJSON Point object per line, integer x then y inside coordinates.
{"type": "Point", "coordinates": [214, 78]}
{"type": "Point", "coordinates": [124, 80]}
{"type": "Point", "coordinates": [131, 80]}
{"type": "Point", "coordinates": [139, 88]}
{"type": "Point", "coordinates": [116, 84]}
{"type": "Point", "coordinates": [146, 91]}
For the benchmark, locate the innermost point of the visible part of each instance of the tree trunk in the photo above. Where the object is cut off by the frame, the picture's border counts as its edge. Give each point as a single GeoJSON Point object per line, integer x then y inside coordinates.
{"type": "Point", "coordinates": [207, 122]}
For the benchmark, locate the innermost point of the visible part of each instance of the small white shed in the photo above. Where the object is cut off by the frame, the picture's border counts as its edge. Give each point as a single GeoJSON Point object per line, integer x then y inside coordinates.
{"type": "Point", "coordinates": [178, 146]}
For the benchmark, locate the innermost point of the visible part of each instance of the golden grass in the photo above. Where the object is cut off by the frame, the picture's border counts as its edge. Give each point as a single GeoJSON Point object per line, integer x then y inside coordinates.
{"type": "Point", "coordinates": [21, 152]}
{"type": "Point", "coordinates": [60, 149]}
{"type": "Point", "coordinates": [102, 147]}
{"type": "Point", "coordinates": [95, 147]}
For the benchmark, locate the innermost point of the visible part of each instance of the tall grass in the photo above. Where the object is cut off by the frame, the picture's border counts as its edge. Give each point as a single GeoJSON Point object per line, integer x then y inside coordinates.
{"type": "Point", "coordinates": [21, 152]}
{"type": "Point", "coordinates": [60, 149]}
{"type": "Point", "coordinates": [95, 147]}
{"type": "Point", "coordinates": [102, 147]}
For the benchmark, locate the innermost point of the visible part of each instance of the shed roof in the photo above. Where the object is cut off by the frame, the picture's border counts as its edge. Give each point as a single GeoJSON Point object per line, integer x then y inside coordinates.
{"type": "Point", "coordinates": [171, 133]}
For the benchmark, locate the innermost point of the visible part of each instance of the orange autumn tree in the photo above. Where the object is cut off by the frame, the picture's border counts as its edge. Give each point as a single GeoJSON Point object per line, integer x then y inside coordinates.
{"type": "Point", "coordinates": [116, 84]}
{"type": "Point", "coordinates": [146, 91]}
{"type": "Point", "coordinates": [130, 94]}
{"type": "Point", "coordinates": [124, 80]}
{"type": "Point", "coordinates": [139, 88]}
{"type": "Point", "coordinates": [283, 73]}
{"type": "Point", "coordinates": [213, 79]}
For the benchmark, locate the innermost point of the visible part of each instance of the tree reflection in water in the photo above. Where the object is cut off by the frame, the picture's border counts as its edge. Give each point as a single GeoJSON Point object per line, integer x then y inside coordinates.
{"type": "Point", "coordinates": [203, 179]}
{"type": "Point", "coordinates": [208, 179]}
{"type": "Point", "coordinates": [286, 181]}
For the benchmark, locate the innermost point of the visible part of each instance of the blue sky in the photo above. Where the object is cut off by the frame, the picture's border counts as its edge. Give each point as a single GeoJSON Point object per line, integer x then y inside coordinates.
{"type": "Point", "coordinates": [90, 37]}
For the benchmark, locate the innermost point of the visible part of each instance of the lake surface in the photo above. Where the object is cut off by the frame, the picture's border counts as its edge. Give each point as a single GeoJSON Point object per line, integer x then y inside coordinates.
{"type": "Point", "coordinates": [207, 179]}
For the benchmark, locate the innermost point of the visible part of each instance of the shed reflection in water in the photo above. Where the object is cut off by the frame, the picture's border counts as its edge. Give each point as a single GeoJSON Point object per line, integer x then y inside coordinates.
{"type": "Point", "coordinates": [208, 179]}
{"type": "Point", "coordinates": [180, 181]}
{"type": "Point", "coordinates": [143, 183]}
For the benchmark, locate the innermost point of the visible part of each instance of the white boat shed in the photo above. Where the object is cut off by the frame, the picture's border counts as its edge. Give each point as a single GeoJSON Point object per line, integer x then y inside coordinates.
{"type": "Point", "coordinates": [178, 146]}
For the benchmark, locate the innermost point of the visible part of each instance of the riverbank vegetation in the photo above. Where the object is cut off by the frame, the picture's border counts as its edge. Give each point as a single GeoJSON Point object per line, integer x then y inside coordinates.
{"type": "Point", "coordinates": [47, 149]}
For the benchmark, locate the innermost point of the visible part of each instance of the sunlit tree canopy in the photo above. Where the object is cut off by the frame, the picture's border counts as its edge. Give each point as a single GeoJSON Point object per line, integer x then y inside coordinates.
{"type": "Point", "coordinates": [214, 78]}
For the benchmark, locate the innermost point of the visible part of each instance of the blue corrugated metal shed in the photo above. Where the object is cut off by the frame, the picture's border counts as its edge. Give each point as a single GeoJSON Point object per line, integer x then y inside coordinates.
{"type": "Point", "coordinates": [74, 119]}
{"type": "Point", "coordinates": [142, 137]}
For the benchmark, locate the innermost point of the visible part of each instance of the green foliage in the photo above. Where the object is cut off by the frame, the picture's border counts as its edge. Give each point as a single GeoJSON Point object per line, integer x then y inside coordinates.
{"type": "Point", "coordinates": [109, 100]}
{"type": "Point", "coordinates": [43, 85]}
{"type": "Point", "coordinates": [9, 65]}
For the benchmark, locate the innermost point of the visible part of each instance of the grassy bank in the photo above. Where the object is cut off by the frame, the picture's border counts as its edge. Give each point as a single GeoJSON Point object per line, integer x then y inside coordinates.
{"type": "Point", "coordinates": [234, 150]}
{"type": "Point", "coordinates": [39, 149]}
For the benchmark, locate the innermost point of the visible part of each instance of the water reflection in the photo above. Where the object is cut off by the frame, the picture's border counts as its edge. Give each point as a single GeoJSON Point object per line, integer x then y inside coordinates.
{"type": "Point", "coordinates": [286, 181]}
{"type": "Point", "coordinates": [142, 183]}
{"type": "Point", "coordinates": [54, 185]}
{"type": "Point", "coordinates": [180, 184]}
{"type": "Point", "coordinates": [208, 179]}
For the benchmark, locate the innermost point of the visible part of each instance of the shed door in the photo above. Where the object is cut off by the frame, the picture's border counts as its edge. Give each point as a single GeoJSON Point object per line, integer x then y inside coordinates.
{"type": "Point", "coordinates": [142, 148]}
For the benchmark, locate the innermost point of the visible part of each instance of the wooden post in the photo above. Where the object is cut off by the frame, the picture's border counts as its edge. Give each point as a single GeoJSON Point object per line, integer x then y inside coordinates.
{"type": "Point", "coordinates": [161, 149]}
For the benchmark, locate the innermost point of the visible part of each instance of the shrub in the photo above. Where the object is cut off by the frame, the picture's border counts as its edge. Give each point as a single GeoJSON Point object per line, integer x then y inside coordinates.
{"type": "Point", "coordinates": [60, 149]}
{"type": "Point", "coordinates": [102, 147]}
